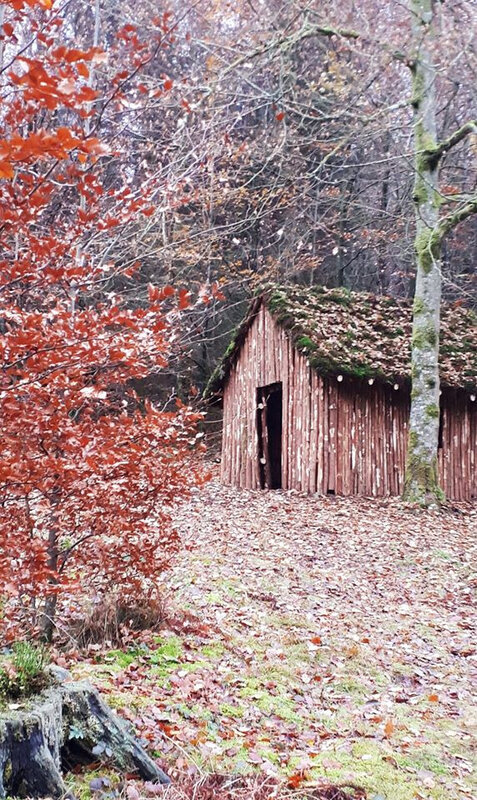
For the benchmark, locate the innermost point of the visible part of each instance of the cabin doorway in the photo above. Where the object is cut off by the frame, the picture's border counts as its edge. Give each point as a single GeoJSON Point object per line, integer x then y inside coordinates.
{"type": "Point", "coordinates": [269, 431]}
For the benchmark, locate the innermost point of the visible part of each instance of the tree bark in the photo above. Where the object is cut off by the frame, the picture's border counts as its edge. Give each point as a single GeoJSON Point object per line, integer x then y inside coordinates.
{"type": "Point", "coordinates": [66, 725]}
{"type": "Point", "coordinates": [422, 483]}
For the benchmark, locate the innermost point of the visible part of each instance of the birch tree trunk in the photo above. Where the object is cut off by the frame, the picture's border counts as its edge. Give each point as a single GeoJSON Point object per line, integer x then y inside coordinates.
{"type": "Point", "coordinates": [422, 483]}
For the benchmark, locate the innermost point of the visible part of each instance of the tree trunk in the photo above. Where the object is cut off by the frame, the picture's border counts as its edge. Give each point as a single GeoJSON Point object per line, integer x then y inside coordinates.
{"type": "Point", "coordinates": [48, 616]}
{"type": "Point", "coordinates": [66, 725]}
{"type": "Point", "coordinates": [422, 484]}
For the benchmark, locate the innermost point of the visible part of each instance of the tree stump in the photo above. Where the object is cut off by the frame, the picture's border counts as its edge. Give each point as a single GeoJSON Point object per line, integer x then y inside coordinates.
{"type": "Point", "coordinates": [65, 725]}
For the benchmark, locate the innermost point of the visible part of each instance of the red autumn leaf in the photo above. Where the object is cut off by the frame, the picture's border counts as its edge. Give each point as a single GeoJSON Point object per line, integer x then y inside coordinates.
{"type": "Point", "coordinates": [6, 170]}
{"type": "Point", "coordinates": [217, 292]}
{"type": "Point", "coordinates": [296, 780]}
{"type": "Point", "coordinates": [82, 69]}
{"type": "Point", "coordinates": [87, 93]}
{"type": "Point", "coordinates": [184, 299]}
{"type": "Point", "coordinates": [154, 293]}
{"type": "Point", "coordinates": [75, 55]}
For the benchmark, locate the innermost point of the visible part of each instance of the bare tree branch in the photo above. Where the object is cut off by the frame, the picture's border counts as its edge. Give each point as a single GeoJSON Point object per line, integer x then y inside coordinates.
{"type": "Point", "coordinates": [446, 224]}
{"type": "Point", "coordinates": [435, 154]}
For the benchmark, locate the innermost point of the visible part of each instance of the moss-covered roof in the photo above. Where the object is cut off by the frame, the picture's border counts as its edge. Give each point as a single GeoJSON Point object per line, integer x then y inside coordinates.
{"type": "Point", "coordinates": [360, 334]}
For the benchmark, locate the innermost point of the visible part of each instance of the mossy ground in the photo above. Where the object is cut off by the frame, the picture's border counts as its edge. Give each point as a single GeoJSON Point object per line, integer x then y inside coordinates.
{"type": "Point", "coordinates": [336, 645]}
{"type": "Point", "coordinates": [82, 784]}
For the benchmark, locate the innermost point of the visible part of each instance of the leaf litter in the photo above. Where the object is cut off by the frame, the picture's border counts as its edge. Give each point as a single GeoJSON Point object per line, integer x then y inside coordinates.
{"type": "Point", "coordinates": [325, 640]}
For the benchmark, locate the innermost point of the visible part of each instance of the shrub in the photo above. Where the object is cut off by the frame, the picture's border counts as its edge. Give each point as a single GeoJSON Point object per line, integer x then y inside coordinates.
{"type": "Point", "coordinates": [88, 469]}
{"type": "Point", "coordinates": [22, 671]}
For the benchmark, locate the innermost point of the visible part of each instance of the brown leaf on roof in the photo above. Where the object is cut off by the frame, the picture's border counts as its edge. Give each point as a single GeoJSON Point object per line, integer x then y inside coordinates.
{"type": "Point", "coordinates": [360, 334]}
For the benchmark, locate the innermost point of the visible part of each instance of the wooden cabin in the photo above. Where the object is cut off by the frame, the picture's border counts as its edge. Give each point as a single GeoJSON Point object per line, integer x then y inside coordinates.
{"type": "Point", "coordinates": [316, 394]}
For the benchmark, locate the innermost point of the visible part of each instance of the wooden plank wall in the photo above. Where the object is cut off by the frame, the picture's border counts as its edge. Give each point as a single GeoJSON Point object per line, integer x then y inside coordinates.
{"type": "Point", "coordinates": [338, 437]}
{"type": "Point", "coordinates": [458, 455]}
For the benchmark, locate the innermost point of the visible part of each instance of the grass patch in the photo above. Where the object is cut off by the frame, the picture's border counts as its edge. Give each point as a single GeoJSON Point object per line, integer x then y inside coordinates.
{"type": "Point", "coordinates": [426, 759]}
{"type": "Point", "coordinates": [279, 704]}
{"type": "Point", "coordinates": [128, 700]}
{"type": "Point", "coordinates": [372, 766]}
{"type": "Point", "coordinates": [214, 651]}
{"type": "Point", "coordinates": [215, 598]}
{"type": "Point", "coordinates": [228, 710]}
{"type": "Point", "coordinates": [121, 659]}
{"type": "Point", "coordinates": [350, 686]}
{"type": "Point", "coordinates": [79, 784]}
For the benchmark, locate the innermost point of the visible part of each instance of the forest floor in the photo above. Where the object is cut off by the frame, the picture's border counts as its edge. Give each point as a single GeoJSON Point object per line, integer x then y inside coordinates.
{"type": "Point", "coordinates": [335, 641]}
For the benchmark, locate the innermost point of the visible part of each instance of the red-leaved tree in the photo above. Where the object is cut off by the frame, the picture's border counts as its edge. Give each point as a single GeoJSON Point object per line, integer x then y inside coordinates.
{"type": "Point", "coordinates": [88, 469]}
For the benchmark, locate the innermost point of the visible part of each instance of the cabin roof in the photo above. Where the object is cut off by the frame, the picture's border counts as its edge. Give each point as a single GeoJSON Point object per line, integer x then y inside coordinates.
{"type": "Point", "coordinates": [359, 334]}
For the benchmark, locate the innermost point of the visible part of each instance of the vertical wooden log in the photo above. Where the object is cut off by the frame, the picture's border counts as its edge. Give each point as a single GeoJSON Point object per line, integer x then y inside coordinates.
{"type": "Point", "coordinates": [459, 443]}
{"type": "Point", "coordinates": [374, 440]}
{"type": "Point", "coordinates": [319, 440]}
{"type": "Point", "coordinates": [344, 446]}
{"type": "Point", "coordinates": [307, 427]}
{"type": "Point", "coordinates": [291, 416]}
{"type": "Point", "coordinates": [299, 419]}
{"type": "Point", "coordinates": [251, 418]}
{"type": "Point", "coordinates": [467, 446]}
{"type": "Point", "coordinates": [359, 442]}
{"type": "Point", "coordinates": [347, 470]}
{"type": "Point", "coordinates": [378, 403]}
{"type": "Point", "coordinates": [253, 382]}
{"type": "Point", "coordinates": [369, 446]}
{"type": "Point", "coordinates": [473, 425]}
{"type": "Point", "coordinates": [285, 399]}
{"type": "Point", "coordinates": [393, 447]}
{"type": "Point", "coordinates": [313, 436]}
{"type": "Point", "coordinates": [332, 437]}
{"type": "Point", "coordinates": [354, 446]}
{"type": "Point", "coordinates": [366, 455]}
{"type": "Point", "coordinates": [339, 437]}
{"type": "Point", "coordinates": [231, 445]}
{"type": "Point", "coordinates": [326, 436]}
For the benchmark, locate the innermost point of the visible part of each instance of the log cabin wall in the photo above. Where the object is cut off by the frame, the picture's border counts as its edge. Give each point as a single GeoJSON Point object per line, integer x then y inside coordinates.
{"type": "Point", "coordinates": [458, 445]}
{"type": "Point", "coordinates": [339, 438]}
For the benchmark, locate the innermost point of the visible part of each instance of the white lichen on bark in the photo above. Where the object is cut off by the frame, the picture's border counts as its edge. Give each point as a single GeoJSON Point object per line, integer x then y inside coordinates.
{"type": "Point", "coordinates": [422, 483]}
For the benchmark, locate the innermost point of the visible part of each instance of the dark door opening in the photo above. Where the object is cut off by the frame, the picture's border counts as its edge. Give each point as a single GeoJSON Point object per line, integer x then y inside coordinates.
{"type": "Point", "coordinates": [441, 429]}
{"type": "Point", "coordinates": [269, 430]}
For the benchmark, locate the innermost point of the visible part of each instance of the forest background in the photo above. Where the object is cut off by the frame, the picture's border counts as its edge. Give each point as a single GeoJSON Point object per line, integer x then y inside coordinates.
{"type": "Point", "coordinates": [270, 150]}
